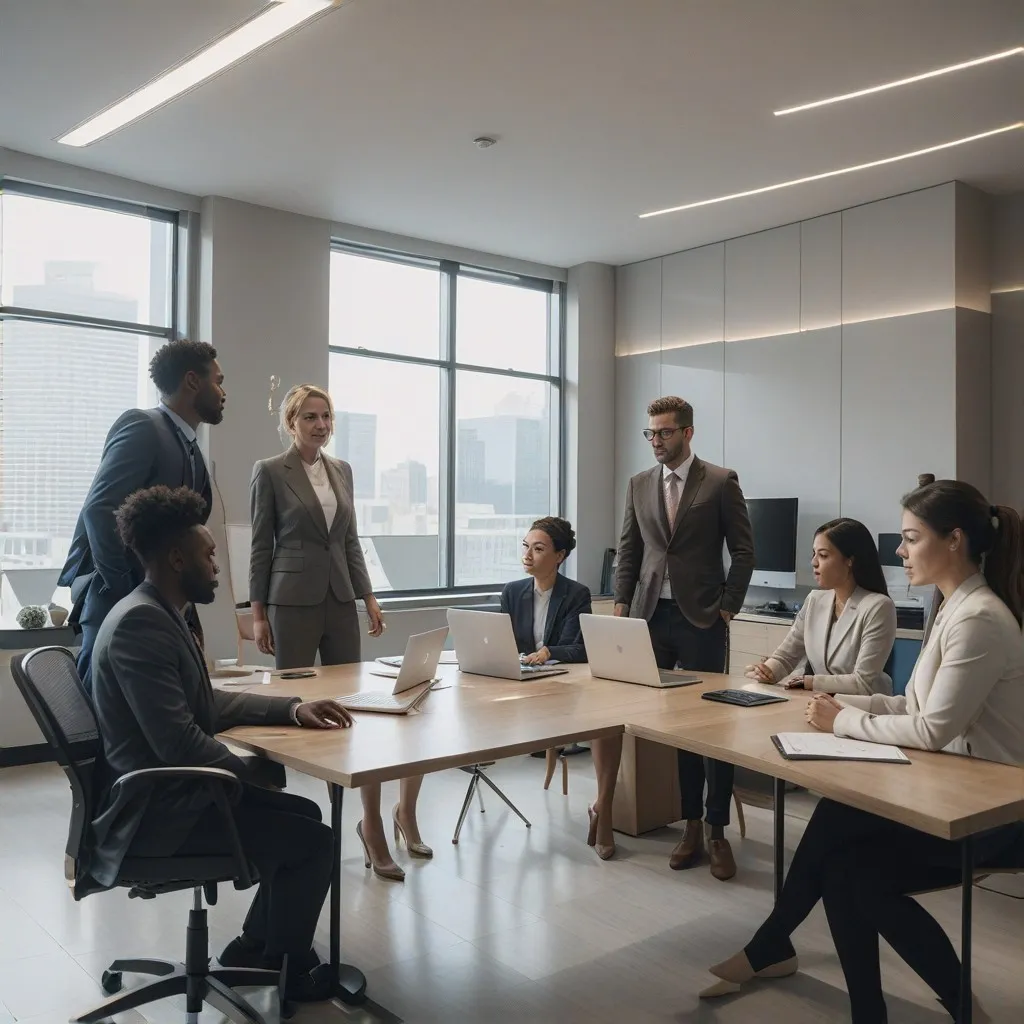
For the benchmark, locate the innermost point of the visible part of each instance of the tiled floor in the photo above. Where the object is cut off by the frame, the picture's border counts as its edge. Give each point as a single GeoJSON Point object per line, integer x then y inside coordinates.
{"type": "Point", "coordinates": [511, 925]}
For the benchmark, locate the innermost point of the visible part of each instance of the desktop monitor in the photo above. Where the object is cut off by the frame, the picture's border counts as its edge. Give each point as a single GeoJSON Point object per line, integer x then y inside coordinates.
{"type": "Point", "coordinates": [892, 565]}
{"type": "Point", "coordinates": [773, 522]}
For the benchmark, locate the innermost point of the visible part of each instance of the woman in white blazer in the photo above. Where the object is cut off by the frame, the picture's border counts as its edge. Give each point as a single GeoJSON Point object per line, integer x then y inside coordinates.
{"type": "Point", "coordinates": [966, 697]}
{"type": "Point", "coordinates": [845, 629]}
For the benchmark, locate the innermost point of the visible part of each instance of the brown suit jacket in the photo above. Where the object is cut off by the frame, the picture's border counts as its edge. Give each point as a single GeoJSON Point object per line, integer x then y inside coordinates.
{"type": "Point", "coordinates": [711, 510]}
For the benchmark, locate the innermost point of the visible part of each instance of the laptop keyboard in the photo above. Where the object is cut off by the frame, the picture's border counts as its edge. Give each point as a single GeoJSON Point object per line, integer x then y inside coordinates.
{"type": "Point", "coordinates": [372, 700]}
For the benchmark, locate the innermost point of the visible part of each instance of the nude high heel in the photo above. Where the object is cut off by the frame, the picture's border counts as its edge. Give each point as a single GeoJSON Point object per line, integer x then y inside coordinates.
{"type": "Point", "coordinates": [416, 849]}
{"type": "Point", "coordinates": [604, 850]}
{"type": "Point", "coordinates": [393, 873]}
{"type": "Point", "coordinates": [736, 972]}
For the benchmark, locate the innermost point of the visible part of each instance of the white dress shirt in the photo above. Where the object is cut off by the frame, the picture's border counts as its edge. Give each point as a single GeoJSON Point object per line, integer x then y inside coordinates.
{"type": "Point", "coordinates": [682, 471]}
{"type": "Point", "coordinates": [541, 603]}
{"type": "Point", "coordinates": [317, 473]}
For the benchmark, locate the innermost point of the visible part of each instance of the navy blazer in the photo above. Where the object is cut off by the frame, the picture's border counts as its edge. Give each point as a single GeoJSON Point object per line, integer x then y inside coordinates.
{"type": "Point", "coordinates": [142, 449]}
{"type": "Point", "coordinates": [562, 634]}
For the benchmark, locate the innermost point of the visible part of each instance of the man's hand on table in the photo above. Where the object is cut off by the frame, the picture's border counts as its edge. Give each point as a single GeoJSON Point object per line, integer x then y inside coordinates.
{"type": "Point", "coordinates": [322, 714]}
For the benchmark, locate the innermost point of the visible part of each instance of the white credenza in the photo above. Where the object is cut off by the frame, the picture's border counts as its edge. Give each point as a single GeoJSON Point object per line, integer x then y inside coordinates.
{"type": "Point", "coordinates": [753, 637]}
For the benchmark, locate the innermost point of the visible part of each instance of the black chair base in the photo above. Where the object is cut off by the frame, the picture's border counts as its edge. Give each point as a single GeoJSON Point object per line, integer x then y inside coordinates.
{"type": "Point", "coordinates": [195, 979]}
{"type": "Point", "coordinates": [214, 986]}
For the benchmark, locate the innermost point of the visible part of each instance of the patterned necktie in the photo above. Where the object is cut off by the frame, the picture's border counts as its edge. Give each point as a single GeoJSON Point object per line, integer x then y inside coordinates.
{"type": "Point", "coordinates": [190, 448]}
{"type": "Point", "coordinates": [672, 504]}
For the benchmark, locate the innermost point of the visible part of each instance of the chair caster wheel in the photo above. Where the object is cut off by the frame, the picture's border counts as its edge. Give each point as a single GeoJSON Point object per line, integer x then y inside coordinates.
{"type": "Point", "coordinates": [111, 982]}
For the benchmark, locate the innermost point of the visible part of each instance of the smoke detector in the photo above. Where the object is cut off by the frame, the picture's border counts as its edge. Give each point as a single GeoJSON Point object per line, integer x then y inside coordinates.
{"type": "Point", "coordinates": [484, 142]}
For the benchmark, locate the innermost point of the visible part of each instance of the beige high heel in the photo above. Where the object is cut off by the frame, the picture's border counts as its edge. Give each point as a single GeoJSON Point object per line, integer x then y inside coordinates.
{"type": "Point", "coordinates": [416, 849]}
{"type": "Point", "coordinates": [604, 850]}
{"type": "Point", "coordinates": [732, 976]}
{"type": "Point", "coordinates": [394, 873]}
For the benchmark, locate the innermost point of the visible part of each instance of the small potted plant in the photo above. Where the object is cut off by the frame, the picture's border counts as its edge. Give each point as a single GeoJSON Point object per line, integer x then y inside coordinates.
{"type": "Point", "coordinates": [32, 616]}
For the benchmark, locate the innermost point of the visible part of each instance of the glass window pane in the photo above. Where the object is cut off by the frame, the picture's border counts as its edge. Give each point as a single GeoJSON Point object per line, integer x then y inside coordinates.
{"type": "Point", "coordinates": [385, 306]}
{"type": "Point", "coordinates": [46, 467]}
{"type": "Point", "coordinates": [74, 259]}
{"type": "Point", "coordinates": [501, 325]}
{"type": "Point", "coordinates": [388, 426]}
{"type": "Point", "coordinates": [503, 472]}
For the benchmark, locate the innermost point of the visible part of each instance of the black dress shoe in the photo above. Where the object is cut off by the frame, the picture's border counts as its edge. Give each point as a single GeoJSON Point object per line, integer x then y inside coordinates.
{"type": "Point", "coordinates": [310, 987]}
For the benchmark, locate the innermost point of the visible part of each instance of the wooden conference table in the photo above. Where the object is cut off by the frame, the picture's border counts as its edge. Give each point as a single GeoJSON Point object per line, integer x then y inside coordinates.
{"type": "Point", "coordinates": [470, 719]}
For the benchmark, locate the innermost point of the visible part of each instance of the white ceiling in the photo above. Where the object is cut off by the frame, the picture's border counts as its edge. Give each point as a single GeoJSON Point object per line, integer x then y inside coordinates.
{"type": "Point", "coordinates": [604, 109]}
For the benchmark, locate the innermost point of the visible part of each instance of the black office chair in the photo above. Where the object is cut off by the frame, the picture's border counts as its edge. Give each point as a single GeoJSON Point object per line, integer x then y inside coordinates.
{"type": "Point", "coordinates": [48, 680]}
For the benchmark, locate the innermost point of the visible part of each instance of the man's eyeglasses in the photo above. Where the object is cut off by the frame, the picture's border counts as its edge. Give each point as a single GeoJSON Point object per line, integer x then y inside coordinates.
{"type": "Point", "coordinates": [665, 433]}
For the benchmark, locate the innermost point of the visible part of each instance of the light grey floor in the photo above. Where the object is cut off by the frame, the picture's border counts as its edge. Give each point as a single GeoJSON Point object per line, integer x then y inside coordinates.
{"type": "Point", "coordinates": [511, 925]}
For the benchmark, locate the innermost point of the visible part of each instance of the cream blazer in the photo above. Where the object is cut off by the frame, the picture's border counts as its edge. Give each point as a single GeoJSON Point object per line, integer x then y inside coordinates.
{"type": "Point", "coordinates": [858, 646]}
{"type": "Point", "coordinates": [966, 693]}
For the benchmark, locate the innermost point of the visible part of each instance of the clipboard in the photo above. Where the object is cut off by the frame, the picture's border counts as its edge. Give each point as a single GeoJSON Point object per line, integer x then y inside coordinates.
{"type": "Point", "coordinates": [824, 747]}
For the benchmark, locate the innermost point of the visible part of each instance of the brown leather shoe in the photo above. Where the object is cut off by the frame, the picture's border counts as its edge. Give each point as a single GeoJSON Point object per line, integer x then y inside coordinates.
{"type": "Point", "coordinates": [723, 864]}
{"type": "Point", "coordinates": [690, 849]}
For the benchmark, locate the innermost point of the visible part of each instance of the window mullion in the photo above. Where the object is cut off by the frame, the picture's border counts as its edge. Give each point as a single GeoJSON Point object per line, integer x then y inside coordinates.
{"type": "Point", "coordinates": [449, 432]}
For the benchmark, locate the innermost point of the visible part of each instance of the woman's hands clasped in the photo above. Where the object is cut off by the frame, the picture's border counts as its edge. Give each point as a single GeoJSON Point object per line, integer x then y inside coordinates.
{"type": "Point", "coordinates": [821, 712]}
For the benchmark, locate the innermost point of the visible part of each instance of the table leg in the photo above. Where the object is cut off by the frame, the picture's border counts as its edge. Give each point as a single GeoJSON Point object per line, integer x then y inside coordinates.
{"type": "Point", "coordinates": [966, 906]}
{"type": "Point", "coordinates": [350, 982]}
{"type": "Point", "coordinates": [780, 835]}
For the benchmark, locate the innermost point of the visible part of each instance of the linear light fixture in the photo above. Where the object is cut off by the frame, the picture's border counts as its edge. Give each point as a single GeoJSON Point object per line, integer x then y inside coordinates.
{"type": "Point", "coordinates": [268, 26]}
{"type": "Point", "coordinates": [1002, 55]}
{"type": "Point", "coordinates": [836, 173]}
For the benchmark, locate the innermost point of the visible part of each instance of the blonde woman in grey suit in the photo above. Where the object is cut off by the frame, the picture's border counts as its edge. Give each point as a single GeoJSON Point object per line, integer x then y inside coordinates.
{"type": "Point", "coordinates": [845, 630]}
{"type": "Point", "coordinates": [306, 571]}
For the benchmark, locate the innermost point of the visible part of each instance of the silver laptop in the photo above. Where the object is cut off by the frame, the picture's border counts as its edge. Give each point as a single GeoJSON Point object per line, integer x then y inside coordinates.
{"type": "Point", "coordinates": [621, 649]}
{"type": "Point", "coordinates": [419, 664]}
{"type": "Point", "coordinates": [486, 646]}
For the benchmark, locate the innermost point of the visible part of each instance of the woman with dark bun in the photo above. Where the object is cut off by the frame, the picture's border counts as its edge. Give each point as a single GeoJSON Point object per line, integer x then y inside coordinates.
{"type": "Point", "coordinates": [545, 610]}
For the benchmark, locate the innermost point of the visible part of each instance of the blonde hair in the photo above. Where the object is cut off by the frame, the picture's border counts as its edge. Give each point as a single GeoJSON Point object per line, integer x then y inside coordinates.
{"type": "Point", "coordinates": [293, 402]}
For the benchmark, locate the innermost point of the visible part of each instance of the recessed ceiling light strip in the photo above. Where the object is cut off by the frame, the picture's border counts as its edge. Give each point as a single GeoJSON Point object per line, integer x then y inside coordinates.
{"type": "Point", "coordinates": [238, 44]}
{"type": "Point", "coordinates": [901, 81]}
{"type": "Point", "coordinates": [836, 173]}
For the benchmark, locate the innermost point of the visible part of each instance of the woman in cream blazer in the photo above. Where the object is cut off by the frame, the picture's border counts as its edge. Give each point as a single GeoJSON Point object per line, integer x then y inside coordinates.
{"type": "Point", "coordinates": [966, 697]}
{"type": "Point", "coordinates": [845, 630]}
{"type": "Point", "coordinates": [306, 570]}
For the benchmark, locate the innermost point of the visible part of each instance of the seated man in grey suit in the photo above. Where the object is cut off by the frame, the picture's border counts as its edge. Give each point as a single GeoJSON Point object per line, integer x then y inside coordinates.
{"type": "Point", "coordinates": [156, 707]}
{"type": "Point", "coordinates": [144, 447]}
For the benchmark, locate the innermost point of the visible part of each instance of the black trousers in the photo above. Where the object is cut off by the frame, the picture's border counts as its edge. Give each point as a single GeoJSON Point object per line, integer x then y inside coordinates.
{"type": "Point", "coordinates": [863, 868]}
{"type": "Point", "coordinates": [680, 644]}
{"type": "Point", "coordinates": [283, 835]}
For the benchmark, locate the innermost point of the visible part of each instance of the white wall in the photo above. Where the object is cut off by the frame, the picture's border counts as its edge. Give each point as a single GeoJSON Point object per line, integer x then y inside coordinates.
{"type": "Point", "coordinates": [826, 360]}
{"type": "Point", "coordinates": [590, 420]}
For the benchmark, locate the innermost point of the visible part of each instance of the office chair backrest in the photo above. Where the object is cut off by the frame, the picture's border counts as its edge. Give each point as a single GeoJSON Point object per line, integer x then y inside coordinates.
{"type": "Point", "coordinates": [48, 680]}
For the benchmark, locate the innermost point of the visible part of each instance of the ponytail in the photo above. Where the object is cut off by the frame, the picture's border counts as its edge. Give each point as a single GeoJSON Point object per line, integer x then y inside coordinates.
{"type": "Point", "coordinates": [1002, 566]}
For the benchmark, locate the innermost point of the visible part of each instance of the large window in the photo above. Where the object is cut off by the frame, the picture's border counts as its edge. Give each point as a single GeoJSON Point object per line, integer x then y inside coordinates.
{"type": "Point", "coordinates": [87, 294]}
{"type": "Point", "coordinates": [447, 381]}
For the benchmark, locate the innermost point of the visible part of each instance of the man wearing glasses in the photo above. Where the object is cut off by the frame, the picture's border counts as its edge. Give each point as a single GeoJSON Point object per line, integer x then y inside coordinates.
{"type": "Point", "coordinates": [671, 572]}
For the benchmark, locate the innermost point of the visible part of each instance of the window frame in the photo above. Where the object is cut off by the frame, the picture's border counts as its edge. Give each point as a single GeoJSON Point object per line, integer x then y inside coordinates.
{"type": "Point", "coordinates": [449, 367]}
{"type": "Point", "coordinates": [15, 187]}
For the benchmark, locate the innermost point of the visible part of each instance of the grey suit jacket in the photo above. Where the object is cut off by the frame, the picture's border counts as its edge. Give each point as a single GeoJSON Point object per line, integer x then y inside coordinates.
{"type": "Point", "coordinates": [156, 708]}
{"type": "Point", "coordinates": [711, 509]}
{"type": "Point", "coordinates": [849, 657]}
{"type": "Point", "coordinates": [295, 558]}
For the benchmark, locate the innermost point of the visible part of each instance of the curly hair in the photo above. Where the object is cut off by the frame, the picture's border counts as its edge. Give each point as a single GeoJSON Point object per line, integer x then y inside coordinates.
{"type": "Point", "coordinates": [560, 531]}
{"type": "Point", "coordinates": [172, 361]}
{"type": "Point", "coordinates": [670, 403]}
{"type": "Point", "coordinates": [152, 520]}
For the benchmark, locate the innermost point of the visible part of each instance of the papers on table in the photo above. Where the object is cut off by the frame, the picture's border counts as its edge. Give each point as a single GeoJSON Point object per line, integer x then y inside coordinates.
{"type": "Point", "coordinates": [821, 746]}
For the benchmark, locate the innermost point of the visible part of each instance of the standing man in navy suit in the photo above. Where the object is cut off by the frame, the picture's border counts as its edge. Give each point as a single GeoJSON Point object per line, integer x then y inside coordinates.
{"type": "Point", "coordinates": [144, 448]}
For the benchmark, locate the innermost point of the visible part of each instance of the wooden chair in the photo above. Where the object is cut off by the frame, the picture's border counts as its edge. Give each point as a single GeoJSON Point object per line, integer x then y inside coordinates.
{"type": "Point", "coordinates": [552, 757]}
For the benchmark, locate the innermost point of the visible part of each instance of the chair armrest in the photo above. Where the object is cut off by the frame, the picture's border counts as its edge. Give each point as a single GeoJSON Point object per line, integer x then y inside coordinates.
{"type": "Point", "coordinates": [221, 785]}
